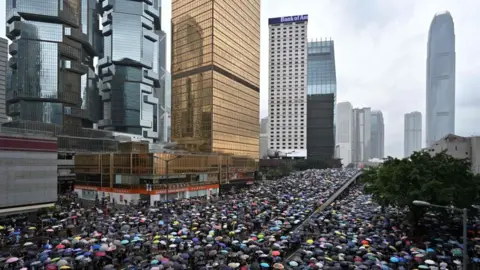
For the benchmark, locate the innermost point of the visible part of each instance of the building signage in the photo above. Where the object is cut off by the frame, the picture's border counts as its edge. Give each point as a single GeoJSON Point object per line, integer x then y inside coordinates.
{"type": "Point", "coordinates": [288, 19]}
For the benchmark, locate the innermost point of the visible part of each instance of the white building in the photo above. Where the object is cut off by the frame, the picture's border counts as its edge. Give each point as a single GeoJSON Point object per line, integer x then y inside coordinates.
{"type": "Point", "coordinates": [344, 132]}
{"type": "Point", "coordinates": [288, 85]}
{"type": "Point", "coordinates": [378, 135]}
{"type": "Point", "coordinates": [440, 112]}
{"type": "Point", "coordinates": [362, 132]}
{"type": "Point", "coordinates": [3, 78]}
{"type": "Point", "coordinates": [459, 147]}
{"type": "Point", "coordinates": [264, 137]}
{"type": "Point", "coordinates": [412, 133]}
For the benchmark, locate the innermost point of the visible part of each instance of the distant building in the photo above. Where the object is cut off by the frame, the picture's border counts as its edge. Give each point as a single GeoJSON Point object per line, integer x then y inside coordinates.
{"type": "Point", "coordinates": [321, 96]}
{"type": "Point", "coordinates": [412, 133]}
{"type": "Point", "coordinates": [344, 132]}
{"type": "Point", "coordinates": [378, 135]}
{"type": "Point", "coordinates": [263, 145]}
{"type": "Point", "coordinates": [3, 78]}
{"type": "Point", "coordinates": [440, 110]}
{"type": "Point", "coordinates": [459, 147]}
{"type": "Point", "coordinates": [362, 132]}
{"type": "Point", "coordinates": [288, 85]}
{"type": "Point", "coordinates": [264, 125]}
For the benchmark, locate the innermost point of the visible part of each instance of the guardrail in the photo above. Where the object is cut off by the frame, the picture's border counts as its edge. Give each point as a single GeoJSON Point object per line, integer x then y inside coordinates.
{"type": "Point", "coordinates": [322, 207]}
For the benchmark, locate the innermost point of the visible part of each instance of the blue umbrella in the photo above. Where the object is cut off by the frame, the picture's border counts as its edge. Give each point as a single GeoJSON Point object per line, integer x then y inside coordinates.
{"type": "Point", "coordinates": [263, 264]}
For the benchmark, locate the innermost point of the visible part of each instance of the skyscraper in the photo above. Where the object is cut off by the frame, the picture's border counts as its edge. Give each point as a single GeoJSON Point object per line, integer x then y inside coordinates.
{"type": "Point", "coordinates": [51, 78]}
{"type": "Point", "coordinates": [440, 113]}
{"type": "Point", "coordinates": [264, 136]}
{"type": "Point", "coordinates": [362, 134]}
{"type": "Point", "coordinates": [344, 132]}
{"type": "Point", "coordinates": [3, 78]}
{"type": "Point", "coordinates": [216, 75]}
{"type": "Point", "coordinates": [378, 135]}
{"type": "Point", "coordinates": [288, 85]}
{"type": "Point", "coordinates": [413, 133]}
{"type": "Point", "coordinates": [130, 68]}
{"type": "Point", "coordinates": [321, 94]}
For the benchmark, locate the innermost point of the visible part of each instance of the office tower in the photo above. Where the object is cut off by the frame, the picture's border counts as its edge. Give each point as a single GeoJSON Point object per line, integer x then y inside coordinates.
{"type": "Point", "coordinates": [215, 76]}
{"type": "Point", "coordinates": [288, 85]}
{"type": "Point", "coordinates": [362, 132]}
{"type": "Point", "coordinates": [130, 67]}
{"type": "Point", "coordinates": [321, 93]}
{"type": "Point", "coordinates": [378, 135]}
{"type": "Point", "coordinates": [344, 132]}
{"type": "Point", "coordinates": [264, 125]}
{"type": "Point", "coordinates": [3, 78]}
{"type": "Point", "coordinates": [440, 113]}
{"type": "Point", "coordinates": [163, 93]}
{"type": "Point", "coordinates": [51, 73]}
{"type": "Point", "coordinates": [413, 133]}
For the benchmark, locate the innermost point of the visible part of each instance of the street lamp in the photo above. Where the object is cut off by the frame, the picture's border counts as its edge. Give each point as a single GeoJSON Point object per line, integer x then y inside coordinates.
{"type": "Point", "coordinates": [465, 220]}
{"type": "Point", "coordinates": [166, 170]}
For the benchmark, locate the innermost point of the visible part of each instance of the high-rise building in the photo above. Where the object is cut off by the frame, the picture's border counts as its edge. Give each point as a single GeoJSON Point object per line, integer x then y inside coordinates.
{"type": "Point", "coordinates": [165, 101]}
{"type": "Point", "coordinates": [413, 133]}
{"type": "Point", "coordinates": [264, 136]}
{"type": "Point", "coordinates": [51, 78]}
{"type": "Point", "coordinates": [216, 75]}
{"type": "Point", "coordinates": [130, 67]}
{"type": "Point", "coordinates": [3, 78]}
{"type": "Point", "coordinates": [288, 85]}
{"type": "Point", "coordinates": [362, 132]}
{"type": "Point", "coordinates": [321, 94]}
{"type": "Point", "coordinates": [264, 125]}
{"type": "Point", "coordinates": [378, 135]}
{"type": "Point", "coordinates": [344, 132]}
{"type": "Point", "coordinates": [440, 113]}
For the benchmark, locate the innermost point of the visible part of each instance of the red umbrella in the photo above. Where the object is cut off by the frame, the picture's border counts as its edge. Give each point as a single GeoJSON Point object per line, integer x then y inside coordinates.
{"type": "Point", "coordinates": [60, 246]}
{"type": "Point", "coordinates": [276, 253]}
{"type": "Point", "coordinates": [100, 254]}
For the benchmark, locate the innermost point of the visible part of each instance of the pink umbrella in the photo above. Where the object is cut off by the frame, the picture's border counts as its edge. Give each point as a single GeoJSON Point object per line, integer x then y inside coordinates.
{"type": "Point", "coordinates": [276, 253]}
{"type": "Point", "coordinates": [50, 230]}
{"type": "Point", "coordinates": [100, 254]}
{"type": "Point", "coordinates": [12, 260]}
{"type": "Point", "coordinates": [51, 267]}
{"type": "Point", "coordinates": [60, 246]}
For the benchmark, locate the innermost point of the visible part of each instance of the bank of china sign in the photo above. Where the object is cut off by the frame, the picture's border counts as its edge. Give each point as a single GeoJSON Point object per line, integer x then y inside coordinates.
{"type": "Point", "coordinates": [288, 19]}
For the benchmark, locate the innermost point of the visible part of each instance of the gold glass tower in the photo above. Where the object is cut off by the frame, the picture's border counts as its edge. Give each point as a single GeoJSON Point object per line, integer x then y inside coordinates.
{"type": "Point", "coordinates": [216, 75]}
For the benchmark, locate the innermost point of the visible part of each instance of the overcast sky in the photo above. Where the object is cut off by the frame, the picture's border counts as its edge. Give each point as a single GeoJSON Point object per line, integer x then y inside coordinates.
{"type": "Point", "coordinates": [380, 51]}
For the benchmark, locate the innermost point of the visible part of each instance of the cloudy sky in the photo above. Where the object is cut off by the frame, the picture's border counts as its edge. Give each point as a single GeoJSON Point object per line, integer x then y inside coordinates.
{"type": "Point", "coordinates": [380, 48]}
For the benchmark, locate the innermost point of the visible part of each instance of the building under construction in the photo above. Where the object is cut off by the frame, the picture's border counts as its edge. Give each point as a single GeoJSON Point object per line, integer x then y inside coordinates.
{"type": "Point", "coordinates": [134, 174]}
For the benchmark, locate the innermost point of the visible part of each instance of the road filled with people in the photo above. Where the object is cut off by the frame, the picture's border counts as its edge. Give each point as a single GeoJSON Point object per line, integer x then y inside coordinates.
{"type": "Point", "coordinates": [252, 228]}
{"type": "Point", "coordinates": [272, 225]}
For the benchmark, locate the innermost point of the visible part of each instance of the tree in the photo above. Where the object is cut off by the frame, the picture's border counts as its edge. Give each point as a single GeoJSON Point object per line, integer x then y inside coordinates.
{"type": "Point", "coordinates": [439, 179]}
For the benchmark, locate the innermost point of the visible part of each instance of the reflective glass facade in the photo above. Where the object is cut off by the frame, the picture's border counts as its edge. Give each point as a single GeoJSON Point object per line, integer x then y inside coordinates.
{"type": "Point", "coordinates": [215, 75]}
{"type": "Point", "coordinates": [130, 68]}
{"type": "Point", "coordinates": [322, 78]}
{"type": "Point", "coordinates": [440, 113]}
{"type": "Point", "coordinates": [51, 73]}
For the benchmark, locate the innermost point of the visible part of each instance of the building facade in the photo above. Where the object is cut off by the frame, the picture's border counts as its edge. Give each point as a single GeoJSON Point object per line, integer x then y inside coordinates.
{"type": "Point", "coordinates": [412, 133]}
{"type": "Point", "coordinates": [3, 78]}
{"type": "Point", "coordinates": [321, 96]}
{"type": "Point", "coordinates": [362, 132]}
{"type": "Point", "coordinates": [440, 113]}
{"type": "Point", "coordinates": [52, 51]}
{"type": "Point", "coordinates": [130, 67]}
{"type": "Point", "coordinates": [216, 76]}
{"type": "Point", "coordinates": [344, 132]}
{"type": "Point", "coordinates": [378, 135]}
{"type": "Point", "coordinates": [264, 125]}
{"type": "Point", "coordinates": [288, 85]}
{"type": "Point", "coordinates": [28, 165]}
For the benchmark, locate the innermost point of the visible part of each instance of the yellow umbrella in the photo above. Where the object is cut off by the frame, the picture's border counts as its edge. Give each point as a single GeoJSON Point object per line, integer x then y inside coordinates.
{"type": "Point", "coordinates": [156, 237]}
{"type": "Point", "coordinates": [309, 241]}
{"type": "Point", "coordinates": [32, 228]}
{"type": "Point", "coordinates": [156, 241]}
{"type": "Point", "coordinates": [65, 267]}
{"type": "Point", "coordinates": [1, 227]}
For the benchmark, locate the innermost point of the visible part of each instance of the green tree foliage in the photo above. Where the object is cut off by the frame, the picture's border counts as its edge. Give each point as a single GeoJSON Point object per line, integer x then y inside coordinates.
{"type": "Point", "coordinates": [439, 179]}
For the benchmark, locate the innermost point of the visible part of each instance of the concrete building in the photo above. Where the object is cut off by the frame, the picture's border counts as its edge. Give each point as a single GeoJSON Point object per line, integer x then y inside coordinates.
{"type": "Point", "coordinates": [264, 125]}
{"type": "Point", "coordinates": [459, 147]}
{"type": "Point", "coordinates": [378, 135]}
{"type": "Point", "coordinates": [28, 165]}
{"type": "Point", "coordinates": [440, 110]}
{"type": "Point", "coordinates": [321, 96]}
{"type": "Point", "coordinates": [130, 67]}
{"type": "Point", "coordinates": [362, 135]}
{"type": "Point", "coordinates": [412, 133]}
{"type": "Point", "coordinates": [344, 133]}
{"type": "Point", "coordinates": [287, 88]}
{"type": "Point", "coordinates": [3, 79]}
{"type": "Point", "coordinates": [263, 145]}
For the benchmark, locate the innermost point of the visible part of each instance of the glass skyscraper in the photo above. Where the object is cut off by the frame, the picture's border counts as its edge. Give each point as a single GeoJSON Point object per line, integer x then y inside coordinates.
{"type": "Point", "coordinates": [130, 67]}
{"type": "Point", "coordinates": [321, 95]}
{"type": "Point", "coordinates": [378, 135]}
{"type": "Point", "coordinates": [51, 78]}
{"type": "Point", "coordinates": [215, 75]}
{"type": "Point", "coordinates": [440, 113]}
